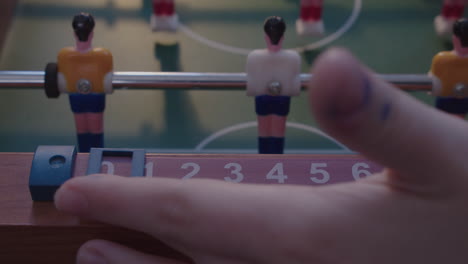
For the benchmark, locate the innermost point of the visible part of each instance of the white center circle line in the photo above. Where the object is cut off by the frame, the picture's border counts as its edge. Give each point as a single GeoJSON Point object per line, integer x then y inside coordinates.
{"type": "Point", "coordinates": [241, 51]}
{"type": "Point", "coordinates": [251, 124]}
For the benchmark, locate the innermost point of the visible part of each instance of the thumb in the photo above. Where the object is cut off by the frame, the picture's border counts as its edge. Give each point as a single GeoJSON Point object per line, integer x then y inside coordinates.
{"type": "Point", "coordinates": [423, 145]}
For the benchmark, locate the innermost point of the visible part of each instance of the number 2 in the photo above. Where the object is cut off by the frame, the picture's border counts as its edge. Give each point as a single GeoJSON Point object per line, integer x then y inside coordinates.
{"type": "Point", "coordinates": [195, 169]}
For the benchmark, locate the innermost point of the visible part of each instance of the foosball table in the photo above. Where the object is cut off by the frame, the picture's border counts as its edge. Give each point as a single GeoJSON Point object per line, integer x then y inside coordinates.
{"type": "Point", "coordinates": [179, 107]}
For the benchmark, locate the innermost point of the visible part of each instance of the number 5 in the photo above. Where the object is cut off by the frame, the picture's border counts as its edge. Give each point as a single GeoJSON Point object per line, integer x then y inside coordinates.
{"type": "Point", "coordinates": [315, 169]}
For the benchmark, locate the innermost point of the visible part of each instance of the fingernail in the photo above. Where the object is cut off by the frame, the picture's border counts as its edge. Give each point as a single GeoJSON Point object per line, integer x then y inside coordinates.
{"type": "Point", "coordinates": [70, 201]}
{"type": "Point", "coordinates": [90, 256]}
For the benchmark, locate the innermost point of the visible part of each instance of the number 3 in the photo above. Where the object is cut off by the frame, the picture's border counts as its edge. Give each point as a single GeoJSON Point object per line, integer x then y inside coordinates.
{"type": "Point", "coordinates": [236, 171]}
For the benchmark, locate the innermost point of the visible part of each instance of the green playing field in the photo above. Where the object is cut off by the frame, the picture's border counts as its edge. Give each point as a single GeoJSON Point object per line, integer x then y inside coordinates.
{"type": "Point", "coordinates": [390, 36]}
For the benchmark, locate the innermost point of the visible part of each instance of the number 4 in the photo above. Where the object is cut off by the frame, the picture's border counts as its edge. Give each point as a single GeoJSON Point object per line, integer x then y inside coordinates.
{"type": "Point", "coordinates": [277, 173]}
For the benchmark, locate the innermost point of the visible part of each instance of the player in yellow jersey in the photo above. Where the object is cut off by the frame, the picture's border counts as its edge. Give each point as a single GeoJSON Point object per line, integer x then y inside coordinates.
{"type": "Point", "coordinates": [86, 74]}
{"type": "Point", "coordinates": [450, 73]}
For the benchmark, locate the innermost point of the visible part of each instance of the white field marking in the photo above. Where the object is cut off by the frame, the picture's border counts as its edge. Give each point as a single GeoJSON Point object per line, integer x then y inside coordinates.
{"type": "Point", "coordinates": [251, 124]}
{"type": "Point", "coordinates": [213, 44]}
{"type": "Point", "coordinates": [315, 45]}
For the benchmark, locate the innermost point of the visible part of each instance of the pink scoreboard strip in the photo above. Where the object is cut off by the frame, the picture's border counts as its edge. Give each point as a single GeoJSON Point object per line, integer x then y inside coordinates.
{"type": "Point", "coordinates": [263, 169]}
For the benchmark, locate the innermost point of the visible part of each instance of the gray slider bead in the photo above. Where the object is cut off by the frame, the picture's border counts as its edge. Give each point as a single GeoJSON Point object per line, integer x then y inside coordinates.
{"type": "Point", "coordinates": [83, 86]}
{"type": "Point", "coordinates": [460, 89]}
{"type": "Point", "coordinates": [274, 88]}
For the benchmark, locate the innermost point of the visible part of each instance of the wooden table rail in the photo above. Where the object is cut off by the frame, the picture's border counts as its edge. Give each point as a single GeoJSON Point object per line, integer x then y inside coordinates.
{"type": "Point", "coordinates": [35, 232]}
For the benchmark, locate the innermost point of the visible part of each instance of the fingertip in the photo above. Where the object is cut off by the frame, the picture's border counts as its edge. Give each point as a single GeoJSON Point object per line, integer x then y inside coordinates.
{"type": "Point", "coordinates": [340, 86]}
{"type": "Point", "coordinates": [71, 196]}
{"type": "Point", "coordinates": [70, 199]}
{"type": "Point", "coordinates": [382, 122]}
{"type": "Point", "coordinates": [92, 252]}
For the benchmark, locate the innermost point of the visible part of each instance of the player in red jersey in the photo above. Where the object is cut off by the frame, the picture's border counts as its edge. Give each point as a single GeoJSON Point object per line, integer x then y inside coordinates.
{"type": "Point", "coordinates": [310, 18]}
{"type": "Point", "coordinates": [452, 10]}
{"type": "Point", "coordinates": [164, 17]}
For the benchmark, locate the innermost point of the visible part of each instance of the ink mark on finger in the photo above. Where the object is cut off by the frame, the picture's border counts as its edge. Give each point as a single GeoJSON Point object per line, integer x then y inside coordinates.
{"type": "Point", "coordinates": [367, 90]}
{"type": "Point", "coordinates": [355, 103]}
{"type": "Point", "coordinates": [385, 111]}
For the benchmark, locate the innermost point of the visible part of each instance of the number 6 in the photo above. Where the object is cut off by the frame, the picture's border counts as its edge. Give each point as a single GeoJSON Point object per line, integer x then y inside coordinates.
{"type": "Point", "coordinates": [357, 173]}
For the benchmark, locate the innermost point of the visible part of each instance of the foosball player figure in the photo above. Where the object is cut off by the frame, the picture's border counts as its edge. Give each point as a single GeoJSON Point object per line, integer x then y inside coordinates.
{"type": "Point", "coordinates": [85, 73]}
{"type": "Point", "coordinates": [310, 19]}
{"type": "Point", "coordinates": [449, 73]}
{"type": "Point", "coordinates": [452, 10]}
{"type": "Point", "coordinates": [273, 76]}
{"type": "Point", "coordinates": [164, 17]}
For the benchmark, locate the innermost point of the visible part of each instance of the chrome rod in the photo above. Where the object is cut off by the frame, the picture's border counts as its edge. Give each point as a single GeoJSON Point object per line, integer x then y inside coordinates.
{"type": "Point", "coordinates": [192, 80]}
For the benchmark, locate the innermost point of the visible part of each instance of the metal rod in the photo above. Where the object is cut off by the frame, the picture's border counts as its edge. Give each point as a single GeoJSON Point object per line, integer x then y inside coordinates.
{"type": "Point", "coordinates": [192, 80]}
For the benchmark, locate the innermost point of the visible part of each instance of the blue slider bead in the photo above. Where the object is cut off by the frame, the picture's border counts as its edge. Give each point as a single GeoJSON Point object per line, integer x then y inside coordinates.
{"type": "Point", "coordinates": [137, 155]}
{"type": "Point", "coordinates": [51, 167]}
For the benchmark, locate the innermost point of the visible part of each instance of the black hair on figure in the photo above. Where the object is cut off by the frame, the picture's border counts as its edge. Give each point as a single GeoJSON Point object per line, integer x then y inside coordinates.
{"type": "Point", "coordinates": [274, 27]}
{"type": "Point", "coordinates": [83, 25]}
{"type": "Point", "coordinates": [460, 29]}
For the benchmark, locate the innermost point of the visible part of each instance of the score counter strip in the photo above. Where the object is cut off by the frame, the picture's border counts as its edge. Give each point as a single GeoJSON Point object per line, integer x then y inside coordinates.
{"type": "Point", "coordinates": [52, 166]}
{"type": "Point", "coordinates": [262, 169]}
